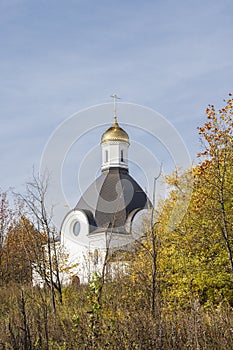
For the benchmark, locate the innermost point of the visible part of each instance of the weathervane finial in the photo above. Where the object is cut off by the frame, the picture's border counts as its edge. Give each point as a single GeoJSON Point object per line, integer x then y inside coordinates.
{"type": "Point", "coordinates": [115, 98]}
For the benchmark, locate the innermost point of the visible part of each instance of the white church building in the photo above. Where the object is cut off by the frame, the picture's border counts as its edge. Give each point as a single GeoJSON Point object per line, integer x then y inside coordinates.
{"type": "Point", "coordinates": [109, 213]}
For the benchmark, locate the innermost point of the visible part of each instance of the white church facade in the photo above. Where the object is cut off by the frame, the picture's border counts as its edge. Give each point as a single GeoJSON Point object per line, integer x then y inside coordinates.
{"type": "Point", "coordinates": [108, 214]}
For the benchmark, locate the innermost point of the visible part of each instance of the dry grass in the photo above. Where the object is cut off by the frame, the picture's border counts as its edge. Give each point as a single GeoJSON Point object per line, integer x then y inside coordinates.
{"type": "Point", "coordinates": [28, 322]}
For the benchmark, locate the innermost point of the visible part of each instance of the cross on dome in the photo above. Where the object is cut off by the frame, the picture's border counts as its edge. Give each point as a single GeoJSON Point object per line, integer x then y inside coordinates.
{"type": "Point", "coordinates": [115, 98]}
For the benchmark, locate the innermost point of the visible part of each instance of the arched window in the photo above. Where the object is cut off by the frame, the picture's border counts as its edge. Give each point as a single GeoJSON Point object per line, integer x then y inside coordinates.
{"type": "Point", "coordinates": [106, 156]}
{"type": "Point", "coordinates": [122, 156]}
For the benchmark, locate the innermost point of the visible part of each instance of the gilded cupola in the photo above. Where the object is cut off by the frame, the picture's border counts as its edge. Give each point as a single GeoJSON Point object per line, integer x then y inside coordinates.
{"type": "Point", "coordinates": [115, 133]}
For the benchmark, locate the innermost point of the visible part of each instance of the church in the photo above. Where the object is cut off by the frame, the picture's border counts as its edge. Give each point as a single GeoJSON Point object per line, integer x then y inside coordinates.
{"type": "Point", "coordinates": [110, 213]}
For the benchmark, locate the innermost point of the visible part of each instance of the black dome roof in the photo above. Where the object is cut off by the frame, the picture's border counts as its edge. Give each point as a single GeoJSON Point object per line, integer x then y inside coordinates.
{"type": "Point", "coordinates": [112, 197]}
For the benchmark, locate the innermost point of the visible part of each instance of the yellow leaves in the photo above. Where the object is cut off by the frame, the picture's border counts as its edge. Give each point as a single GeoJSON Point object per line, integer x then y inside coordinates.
{"type": "Point", "coordinates": [204, 153]}
{"type": "Point", "coordinates": [172, 179]}
{"type": "Point", "coordinates": [217, 132]}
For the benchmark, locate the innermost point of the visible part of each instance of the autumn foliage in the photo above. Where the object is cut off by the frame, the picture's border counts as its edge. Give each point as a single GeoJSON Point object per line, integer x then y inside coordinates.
{"type": "Point", "coordinates": [22, 249]}
{"type": "Point", "coordinates": [177, 291]}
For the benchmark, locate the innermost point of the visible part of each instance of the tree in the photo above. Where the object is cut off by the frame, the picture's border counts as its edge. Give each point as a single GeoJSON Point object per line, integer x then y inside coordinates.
{"type": "Point", "coordinates": [7, 216]}
{"type": "Point", "coordinates": [22, 249]}
{"type": "Point", "coordinates": [49, 266]}
{"type": "Point", "coordinates": [216, 171]}
{"type": "Point", "coordinates": [194, 256]}
{"type": "Point", "coordinates": [198, 251]}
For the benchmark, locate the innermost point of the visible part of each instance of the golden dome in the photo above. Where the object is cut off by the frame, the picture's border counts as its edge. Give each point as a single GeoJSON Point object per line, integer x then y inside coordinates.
{"type": "Point", "coordinates": [115, 133]}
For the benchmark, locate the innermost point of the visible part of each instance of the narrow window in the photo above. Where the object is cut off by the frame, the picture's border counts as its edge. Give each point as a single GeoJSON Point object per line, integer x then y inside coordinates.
{"type": "Point", "coordinates": [106, 156]}
{"type": "Point", "coordinates": [122, 156]}
{"type": "Point", "coordinates": [96, 257]}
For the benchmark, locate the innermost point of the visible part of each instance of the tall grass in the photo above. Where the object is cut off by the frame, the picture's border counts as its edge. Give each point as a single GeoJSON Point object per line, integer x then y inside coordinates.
{"type": "Point", "coordinates": [28, 322]}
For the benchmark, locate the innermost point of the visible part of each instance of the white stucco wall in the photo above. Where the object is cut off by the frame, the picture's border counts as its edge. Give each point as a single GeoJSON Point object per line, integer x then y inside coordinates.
{"type": "Point", "coordinates": [113, 150]}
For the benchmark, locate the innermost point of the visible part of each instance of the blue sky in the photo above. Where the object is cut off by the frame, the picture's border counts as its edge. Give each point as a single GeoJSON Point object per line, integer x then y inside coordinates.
{"type": "Point", "coordinates": [58, 57]}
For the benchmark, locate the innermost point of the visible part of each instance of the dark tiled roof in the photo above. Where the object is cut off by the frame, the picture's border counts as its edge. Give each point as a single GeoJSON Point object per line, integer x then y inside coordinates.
{"type": "Point", "coordinates": [112, 197]}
